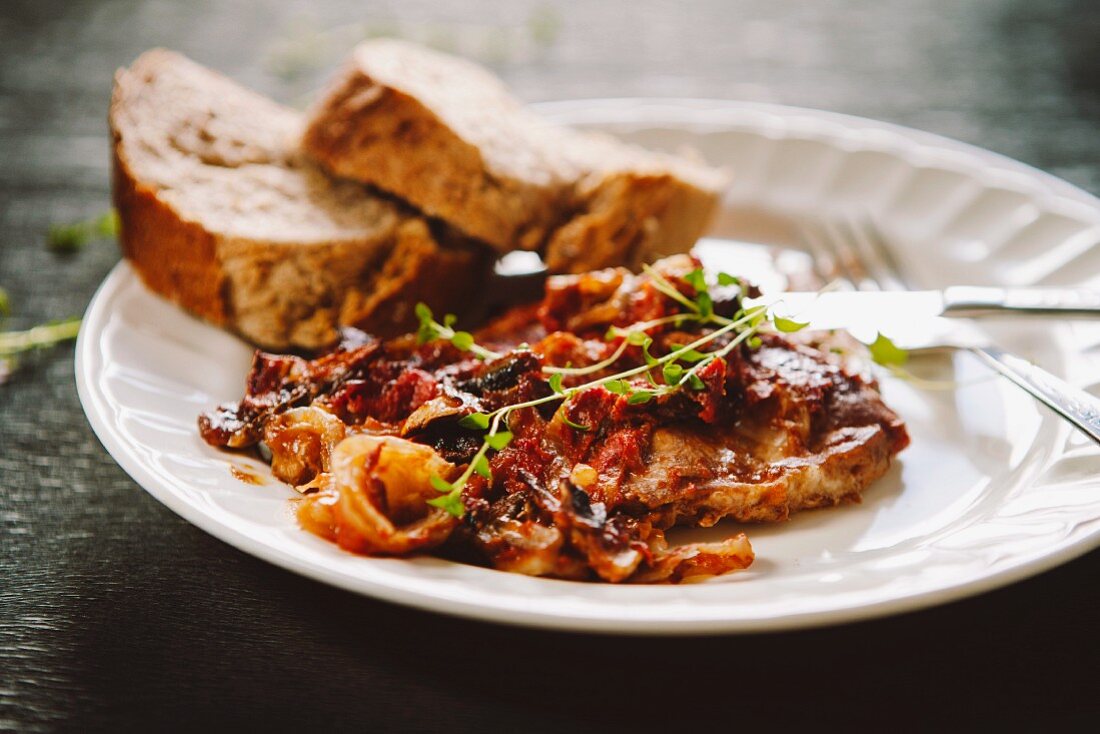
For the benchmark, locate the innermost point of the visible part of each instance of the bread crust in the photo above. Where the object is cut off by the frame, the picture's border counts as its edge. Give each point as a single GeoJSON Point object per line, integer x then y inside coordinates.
{"type": "Point", "coordinates": [367, 131]}
{"type": "Point", "coordinates": [445, 135]}
{"type": "Point", "coordinates": [174, 258]}
{"type": "Point", "coordinates": [280, 291]}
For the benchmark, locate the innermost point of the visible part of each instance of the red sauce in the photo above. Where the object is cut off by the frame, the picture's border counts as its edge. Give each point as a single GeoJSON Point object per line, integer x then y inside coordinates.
{"type": "Point", "coordinates": [245, 475]}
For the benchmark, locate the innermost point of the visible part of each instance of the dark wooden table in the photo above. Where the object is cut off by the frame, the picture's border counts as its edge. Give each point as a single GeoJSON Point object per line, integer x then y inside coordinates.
{"type": "Point", "coordinates": [115, 614]}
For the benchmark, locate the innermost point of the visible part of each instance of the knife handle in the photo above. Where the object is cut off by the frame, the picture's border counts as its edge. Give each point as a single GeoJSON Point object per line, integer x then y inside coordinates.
{"type": "Point", "coordinates": [960, 300]}
{"type": "Point", "coordinates": [1072, 403]}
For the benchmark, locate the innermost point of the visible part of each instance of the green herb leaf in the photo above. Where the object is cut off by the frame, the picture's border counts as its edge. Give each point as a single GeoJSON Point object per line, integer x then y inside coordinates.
{"type": "Point", "coordinates": [618, 387]}
{"type": "Point", "coordinates": [5, 303]}
{"type": "Point", "coordinates": [640, 397]}
{"type": "Point", "coordinates": [690, 355]}
{"type": "Point", "coordinates": [638, 338]}
{"type": "Point", "coordinates": [440, 484]}
{"type": "Point", "coordinates": [452, 503]}
{"type": "Point", "coordinates": [789, 326]}
{"type": "Point", "coordinates": [885, 352]}
{"type": "Point", "coordinates": [727, 279]}
{"type": "Point", "coordinates": [463, 340]}
{"type": "Point", "coordinates": [498, 441]}
{"type": "Point", "coordinates": [697, 280]}
{"type": "Point", "coordinates": [705, 304]}
{"type": "Point", "coordinates": [695, 382]}
{"type": "Point", "coordinates": [108, 224]}
{"type": "Point", "coordinates": [753, 342]}
{"type": "Point", "coordinates": [73, 236]}
{"type": "Point", "coordinates": [555, 383]}
{"type": "Point", "coordinates": [574, 426]}
{"type": "Point", "coordinates": [475, 421]}
{"type": "Point", "coordinates": [672, 373]}
{"type": "Point", "coordinates": [426, 331]}
{"type": "Point", "coordinates": [67, 237]}
{"type": "Point", "coordinates": [661, 284]}
{"type": "Point", "coordinates": [649, 358]}
{"type": "Point", "coordinates": [611, 334]}
{"type": "Point", "coordinates": [481, 466]}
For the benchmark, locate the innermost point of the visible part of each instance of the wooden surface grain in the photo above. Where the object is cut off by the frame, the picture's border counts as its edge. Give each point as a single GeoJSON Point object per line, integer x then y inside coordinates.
{"type": "Point", "coordinates": [115, 614]}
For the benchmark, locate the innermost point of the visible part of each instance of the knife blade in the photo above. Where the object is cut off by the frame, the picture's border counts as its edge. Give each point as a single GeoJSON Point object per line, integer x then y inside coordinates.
{"type": "Point", "coordinates": [914, 320]}
{"type": "Point", "coordinates": [911, 319]}
{"type": "Point", "coordinates": [968, 301]}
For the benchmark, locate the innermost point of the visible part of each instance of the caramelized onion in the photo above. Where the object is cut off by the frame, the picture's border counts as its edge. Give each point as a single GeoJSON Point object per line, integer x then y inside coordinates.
{"type": "Point", "coordinates": [377, 497]}
{"type": "Point", "coordinates": [301, 442]}
{"type": "Point", "coordinates": [696, 561]}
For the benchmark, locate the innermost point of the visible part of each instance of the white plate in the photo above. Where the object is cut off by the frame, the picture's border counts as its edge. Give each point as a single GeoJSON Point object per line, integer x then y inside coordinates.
{"type": "Point", "coordinates": [993, 489]}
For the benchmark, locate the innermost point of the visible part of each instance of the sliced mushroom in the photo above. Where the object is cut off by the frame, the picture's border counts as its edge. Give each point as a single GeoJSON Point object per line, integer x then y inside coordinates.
{"type": "Point", "coordinates": [444, 406]}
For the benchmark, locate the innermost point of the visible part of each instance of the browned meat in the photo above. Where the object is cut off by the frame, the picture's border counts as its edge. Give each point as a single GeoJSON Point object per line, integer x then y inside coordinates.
{"type": "Point", "coordinates": [590, 481]}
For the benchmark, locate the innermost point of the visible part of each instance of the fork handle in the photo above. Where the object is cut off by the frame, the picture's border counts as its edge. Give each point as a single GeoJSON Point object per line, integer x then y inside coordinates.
{"type": "Point", "coordinates": [966, 299]}
{"type": "Point", "coordinates": [1072, 403]}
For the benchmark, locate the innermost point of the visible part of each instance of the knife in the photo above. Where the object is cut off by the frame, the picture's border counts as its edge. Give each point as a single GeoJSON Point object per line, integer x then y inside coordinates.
{"type": "Point", "coordinates": [968, 300]}
{"type": "Point", "coordinates": [521, 276]}
{"type": "Point", "coordinates": [861, 310]}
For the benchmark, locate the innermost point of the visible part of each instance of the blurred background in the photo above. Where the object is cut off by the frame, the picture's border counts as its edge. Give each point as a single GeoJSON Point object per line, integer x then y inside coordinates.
{"type": "Point", "coordinates": [1020, 77]}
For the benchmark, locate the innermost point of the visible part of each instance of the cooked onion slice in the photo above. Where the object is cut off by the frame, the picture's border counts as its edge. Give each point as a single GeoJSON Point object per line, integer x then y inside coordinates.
{"type": "Point", "coordinates": [377, 497]}
{"type": "Point", "coordinates": [301, 442]}
{"type": "Point", "coordinates": [696, 561]}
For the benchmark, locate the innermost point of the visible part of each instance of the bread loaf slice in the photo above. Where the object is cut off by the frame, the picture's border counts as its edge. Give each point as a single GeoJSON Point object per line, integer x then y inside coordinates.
{"type": "Point", "coordinates": [220, 213]}
{"type": "Point", "coordinates": [446, 136]}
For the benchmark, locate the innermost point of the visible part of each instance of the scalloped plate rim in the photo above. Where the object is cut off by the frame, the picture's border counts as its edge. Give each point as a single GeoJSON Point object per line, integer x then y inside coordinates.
{"type": "Point", "coordinates": [565, 111]}
{"type": "Point", "coordinates": [86, 363]}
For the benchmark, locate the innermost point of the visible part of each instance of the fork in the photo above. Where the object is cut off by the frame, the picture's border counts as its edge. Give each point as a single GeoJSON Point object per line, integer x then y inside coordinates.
{"type": "Point", "coordinates": [852, 252]}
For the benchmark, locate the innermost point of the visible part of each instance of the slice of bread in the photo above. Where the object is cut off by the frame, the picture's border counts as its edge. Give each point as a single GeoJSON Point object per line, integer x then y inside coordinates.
{"type": "Point", "coordinates": [221, 214]}
{"type": "Point", "coordinates": [445, 135]}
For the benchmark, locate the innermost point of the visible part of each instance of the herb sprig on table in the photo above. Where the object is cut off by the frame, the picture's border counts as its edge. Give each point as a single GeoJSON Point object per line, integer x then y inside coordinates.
{"type": "Point", "coordinates": [75, 235]}
{"type": "Point", "coordinates": [15, 344]}
{"type": "Point", "coordinates": [64, 238]}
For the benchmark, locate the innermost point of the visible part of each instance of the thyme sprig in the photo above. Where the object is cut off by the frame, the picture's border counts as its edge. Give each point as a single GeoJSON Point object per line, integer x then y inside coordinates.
{"type": "Point", "coordinates": [430, 330]}
{"type": "Point", "coordinates": [679, 369]}
{"type": "Point", "coordinates": [676, 376]}
{"type": "Point", "coordinates": [73, 236]}
{"type": "Point", "coordinates": [702, 306]}
{"type": "Point", "coordinates": [13, 344]}
{"type": "Point", "coordinates": [38, 337]}
{"type": "Point", "coordinates": [589, 369]}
